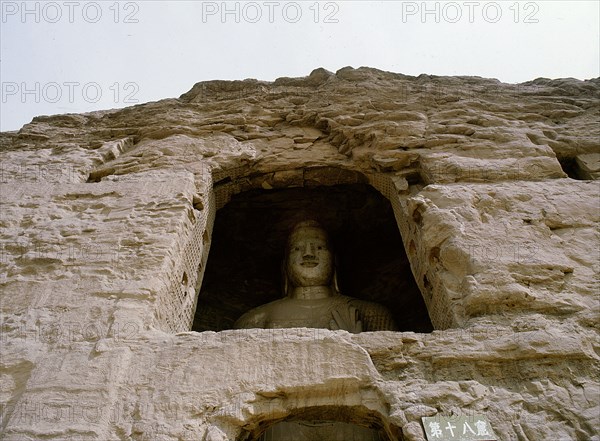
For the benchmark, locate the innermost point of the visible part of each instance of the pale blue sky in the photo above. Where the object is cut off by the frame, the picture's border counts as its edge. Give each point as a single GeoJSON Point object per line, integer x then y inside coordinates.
{"type": "Point", "coordinates": [61, 57]}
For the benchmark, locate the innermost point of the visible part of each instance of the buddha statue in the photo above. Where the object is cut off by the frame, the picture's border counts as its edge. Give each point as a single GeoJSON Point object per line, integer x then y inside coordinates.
{"type": "Point", "coordinates": [312, 298]}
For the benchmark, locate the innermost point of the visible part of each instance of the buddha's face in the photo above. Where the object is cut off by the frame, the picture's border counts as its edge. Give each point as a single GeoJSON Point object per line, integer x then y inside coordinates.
{"type": "Point", "coordinates": [310, 261]}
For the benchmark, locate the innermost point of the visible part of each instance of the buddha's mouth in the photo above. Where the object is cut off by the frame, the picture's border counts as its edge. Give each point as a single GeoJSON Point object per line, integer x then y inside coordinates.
{"type": "Point", "coordinates": [309, 263]}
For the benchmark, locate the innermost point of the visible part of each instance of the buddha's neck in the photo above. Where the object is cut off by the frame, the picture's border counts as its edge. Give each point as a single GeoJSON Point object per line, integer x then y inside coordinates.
{"type": "Point", "coordinates": [311, 292]}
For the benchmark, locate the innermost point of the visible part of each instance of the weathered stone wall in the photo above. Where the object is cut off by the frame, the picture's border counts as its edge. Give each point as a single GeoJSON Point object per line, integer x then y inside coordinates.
{"type": "Point", "coordinates": [106, 227]}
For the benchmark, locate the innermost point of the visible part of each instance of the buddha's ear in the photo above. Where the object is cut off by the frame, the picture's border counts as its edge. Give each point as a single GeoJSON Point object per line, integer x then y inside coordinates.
{"type": "Point", "coordinates": [285, 283]}
{"type": "Point", "coordinates": [334, 280]}
{"type": "Point", "coordinates": [334, 284]}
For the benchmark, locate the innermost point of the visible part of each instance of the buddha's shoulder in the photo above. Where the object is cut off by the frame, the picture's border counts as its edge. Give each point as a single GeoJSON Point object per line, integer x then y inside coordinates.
{"type": "Point", "coordinates": [257, 317]}
{"type": "Point", "coordinates": [366, 304]}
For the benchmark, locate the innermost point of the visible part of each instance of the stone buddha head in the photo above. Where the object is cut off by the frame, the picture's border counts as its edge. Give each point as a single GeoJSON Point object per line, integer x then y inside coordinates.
{"type": "Point", "coordinates": [309, 260]}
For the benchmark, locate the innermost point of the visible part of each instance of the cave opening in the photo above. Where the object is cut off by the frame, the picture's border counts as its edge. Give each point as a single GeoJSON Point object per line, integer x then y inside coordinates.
{"type": "Point", "coordinates": [248, 242]}
{"type": "Point", "coordinates": [331, 423]}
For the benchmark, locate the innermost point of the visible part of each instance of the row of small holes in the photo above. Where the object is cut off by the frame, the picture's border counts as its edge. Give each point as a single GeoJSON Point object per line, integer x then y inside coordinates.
{"type": "Point", "coordinates": [176, 305]}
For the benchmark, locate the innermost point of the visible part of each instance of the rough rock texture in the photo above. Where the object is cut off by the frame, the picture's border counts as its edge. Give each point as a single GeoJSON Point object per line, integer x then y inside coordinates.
{"type": "Point", "coordinates": [107, 220]}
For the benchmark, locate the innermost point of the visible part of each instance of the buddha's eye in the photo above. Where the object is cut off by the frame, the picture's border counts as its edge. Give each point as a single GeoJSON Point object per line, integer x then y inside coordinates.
{"type": "Point", "coordinates": [319, 248]}
{"type": "Point", "coordinates": [297, 249]}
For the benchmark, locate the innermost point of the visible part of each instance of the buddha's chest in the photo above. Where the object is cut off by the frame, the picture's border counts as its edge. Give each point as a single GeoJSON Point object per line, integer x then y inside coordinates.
{"type": "Point", "coordinates": [308, 314]}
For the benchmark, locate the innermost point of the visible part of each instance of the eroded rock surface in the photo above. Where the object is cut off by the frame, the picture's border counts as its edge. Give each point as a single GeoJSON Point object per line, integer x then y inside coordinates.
{"type": "Point", "coordinates": [107, 220]}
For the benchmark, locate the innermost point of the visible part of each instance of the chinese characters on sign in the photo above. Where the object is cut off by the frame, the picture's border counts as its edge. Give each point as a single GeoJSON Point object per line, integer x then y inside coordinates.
{"type": "Point", "coordinates": [463, 428]}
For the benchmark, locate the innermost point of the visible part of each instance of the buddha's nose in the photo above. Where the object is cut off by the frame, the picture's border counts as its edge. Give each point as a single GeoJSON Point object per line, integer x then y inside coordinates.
{"type": "Point", "coordinates": [309, 251]}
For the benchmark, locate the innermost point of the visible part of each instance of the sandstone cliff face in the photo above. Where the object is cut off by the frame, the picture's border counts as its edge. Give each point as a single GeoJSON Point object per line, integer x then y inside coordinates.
{"type": "Point", "coordinates": [106, 229]}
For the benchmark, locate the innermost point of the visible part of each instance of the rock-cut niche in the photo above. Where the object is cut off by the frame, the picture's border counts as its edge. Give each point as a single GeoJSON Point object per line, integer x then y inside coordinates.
{"type": "Point", "coordinates": [331, 423]}
{"type": "Point", "coordinates": [248, 244]}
